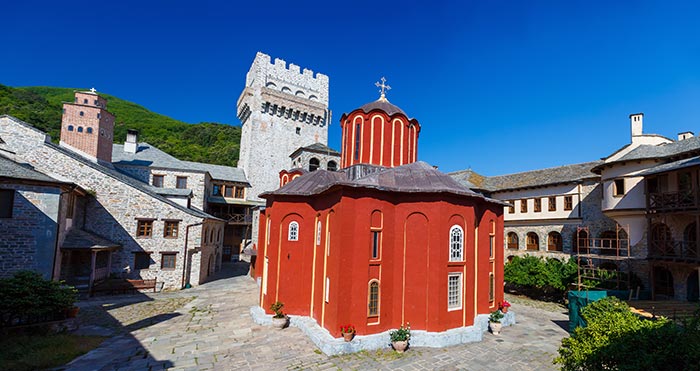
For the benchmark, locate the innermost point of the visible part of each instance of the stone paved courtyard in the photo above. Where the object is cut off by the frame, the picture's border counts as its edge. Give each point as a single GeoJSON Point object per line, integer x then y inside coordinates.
{"type": "Point", "coordinates": [212, 330]}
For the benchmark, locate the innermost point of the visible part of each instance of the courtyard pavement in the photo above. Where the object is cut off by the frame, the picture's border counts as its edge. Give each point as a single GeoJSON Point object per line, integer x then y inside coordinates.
{"type": "Point", "coordinates": [213, 330]}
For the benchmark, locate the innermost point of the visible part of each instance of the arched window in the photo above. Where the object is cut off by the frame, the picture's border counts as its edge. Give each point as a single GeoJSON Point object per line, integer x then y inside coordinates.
{"type": "Point", "coordinates": [513, 241]}
{"type": "Point", "coordinates": [533, 242]}
{"type": "Point", "coordinates": [211, 235]}
{"type": "Point", "coordinates": [554, 242]}
{"type": "Point", "coordinates": [89, 130]}
{"type": "Point", "coordinates": [82, 113]}
{"type": "Point", "coordinates": [332, 166]}
{"type": "Point", "coordinates": [80, 129]}
{"type": "Point", "coordinates": [314, 164]}
{"type": "Point", "coordinates": [70, 127]}
{"type": "Point", "coordinates": [204, 235]}
{"type": "Point", "coordinates": [373, 299]}
{"type": "Point", "coordinates": [456, 243]}
{"type": "Point", "coordinates": [293, 234]}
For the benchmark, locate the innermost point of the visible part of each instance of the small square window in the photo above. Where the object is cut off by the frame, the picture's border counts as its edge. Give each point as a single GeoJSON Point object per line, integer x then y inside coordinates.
{"type": "Point", "coordinates": [552, 204]}
{"type": "Point", "coordinates": [170, 229]}
{"type": "Point", "coordinates": [523, 206]}
{"type": "Point", "coordinates": [454, 291]}
{"type": "Point", "coordinates": [85, 101]}
{"type": "Point", "coordinates": [158, 181]}
{"type": "Point", "coordinates": [181, 182]}
{"type": "Point", "coordinates": [619, 187]}
{"type": "Point", "coordinates": [168, 260]}
{"type": "Point", "coordinates": [82, 113]}
{"type": "Point", "coordinates": [144, 228]}
{"type": "Point", "coordinates": [228, 191]}
{"type": "Point", "coordinates": [538, 205]}
{"type": "Point", "coordinates": [216, 190]}
{"type": "Point", "coordinates": [7, 201]}
{"type": "Point", "coordinates": [240, 192]}
{"type": "Point", "coordinates": [511, 207]}
{"type": "Point", "coordinates": [298, 131]}
{"type": "Point", "coordinates": [568, 202]}
{"type": "Point", "coordinates": [142, 260]}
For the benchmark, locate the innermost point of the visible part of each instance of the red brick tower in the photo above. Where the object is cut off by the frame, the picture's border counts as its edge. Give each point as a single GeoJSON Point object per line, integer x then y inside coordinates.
{"type": "Point", "coordinates": [87, 127]}
{"type": "Point", "coordinates": [379, 133]}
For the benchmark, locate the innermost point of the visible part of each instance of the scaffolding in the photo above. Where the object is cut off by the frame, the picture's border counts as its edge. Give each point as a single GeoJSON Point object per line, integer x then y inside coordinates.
{"type": "Point", "coordinates": [604, 262]}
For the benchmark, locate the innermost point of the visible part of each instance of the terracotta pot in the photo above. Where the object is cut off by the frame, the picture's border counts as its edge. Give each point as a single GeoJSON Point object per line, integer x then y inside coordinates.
{"type": "Point", "coordinates": [348, 336]}
{"type": "Point", "coordinates": [495, 327]}
{"type": "Point", "coordinates": [399, 346]}
{"type": "Point", "coordinates": [280, 323]}
{"type": "Point", "coordinates": [72, 312]}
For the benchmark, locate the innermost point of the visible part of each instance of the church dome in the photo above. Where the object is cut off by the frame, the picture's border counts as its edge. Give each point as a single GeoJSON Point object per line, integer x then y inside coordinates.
{"type": "Point", "coordinates": [384, 105]}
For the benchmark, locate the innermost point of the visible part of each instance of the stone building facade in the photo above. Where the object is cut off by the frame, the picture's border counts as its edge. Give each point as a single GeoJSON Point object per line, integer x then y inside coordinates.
{"type": "Point", "coordinates": [121, 224]}
{"type": "Point", "coordinates": [314, 157]}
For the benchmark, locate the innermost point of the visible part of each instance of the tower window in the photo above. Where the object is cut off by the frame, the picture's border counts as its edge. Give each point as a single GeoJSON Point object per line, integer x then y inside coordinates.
{"type": "Point", "coordinates": [70, 128]}
{"type": "Point", "coordinates": [298, 131]}
{"type": "Point", "coordinates": [619, 187]}
{"type": "Point", "coordinates": [357, 142]}
{"type": "Point", "coordinates": [314, 164]}
{"type": "Point", "coordinates": [89, 130]}
{"type": "Point", "coordinates": [98, 115]}
{"type": "Point", "coordinates": [96, 102]}
{"type": "Point", "coordinates": [82, 113]}
{"type": "Point", "coordinates": [332, 166]}
{"type": "Point", "coordinates": [85, 101]}
{"type": "Point", "coordinates": [80, 129]}
{"type": "Point", "coordinates": [64, 111]}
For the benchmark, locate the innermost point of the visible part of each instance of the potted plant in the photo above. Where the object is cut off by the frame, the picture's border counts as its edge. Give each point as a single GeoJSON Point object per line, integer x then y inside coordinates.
{"type": "Point", "coordinates": [495, 321]}
{"type": "Point", "coordinates": [279, 320]}
{"type": "Point", "coordinates": [503, 307]}
{"type": "Point", "coordinates": [400, 337]}
{"type": "Point", "coordinates": [348, 332]}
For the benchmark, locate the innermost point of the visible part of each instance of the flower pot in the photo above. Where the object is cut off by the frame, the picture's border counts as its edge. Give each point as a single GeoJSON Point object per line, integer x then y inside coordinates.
{"type": "Point", "coordinates": [504, 310]}
{"type": "Point", "coordinates": [280, 323]}
{"type": "Point", "coordinates": [348, 336]}
{"type": "Point", "coordinates": [72, 312]}
{"type": "Point", "coordinates": [495, 327]}
{"type": "Point", "coordinates": [399, 346]}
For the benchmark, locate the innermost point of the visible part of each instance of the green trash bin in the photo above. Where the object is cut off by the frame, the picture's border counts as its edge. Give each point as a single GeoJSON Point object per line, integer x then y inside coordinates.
{"type": "Point", "coordinates": [577, 301]}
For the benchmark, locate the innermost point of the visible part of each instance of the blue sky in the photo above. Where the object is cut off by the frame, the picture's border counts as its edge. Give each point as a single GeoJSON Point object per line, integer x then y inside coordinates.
{"type": "Point", "coordinates": [498, 86]}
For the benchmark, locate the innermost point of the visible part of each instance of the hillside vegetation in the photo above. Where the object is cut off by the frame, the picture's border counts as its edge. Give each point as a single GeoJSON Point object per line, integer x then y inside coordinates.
{"type": "Point", "coordinates": [204, 142]}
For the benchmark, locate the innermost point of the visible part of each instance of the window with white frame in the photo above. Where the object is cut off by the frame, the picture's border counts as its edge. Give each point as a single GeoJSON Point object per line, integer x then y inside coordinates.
{"type": "Point", "coordinates": [456, 243]}
{"type": "Point", "coordinates": [454, 291]}
{"type": "Point", "coordinates": [293, 231]}
{"type": "Point", "coordinates": [318, 233]}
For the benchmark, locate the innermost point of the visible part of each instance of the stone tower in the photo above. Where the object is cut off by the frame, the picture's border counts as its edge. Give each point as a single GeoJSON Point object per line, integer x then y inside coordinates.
{"type": "Point", "coordinates": [87, 127]}
{"type": "Point", "coordinates": [281, 109]}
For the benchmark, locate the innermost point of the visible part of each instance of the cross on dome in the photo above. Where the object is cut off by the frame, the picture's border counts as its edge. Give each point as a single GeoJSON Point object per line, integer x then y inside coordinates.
{"type": "Point", "coordinates": [384, 87]}
{"type": "Point", "coordinates": [93, 90]}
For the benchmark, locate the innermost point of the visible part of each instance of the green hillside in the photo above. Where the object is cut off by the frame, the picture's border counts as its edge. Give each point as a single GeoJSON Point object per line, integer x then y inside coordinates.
{"type": "Point", "coordinates": [204, 142]}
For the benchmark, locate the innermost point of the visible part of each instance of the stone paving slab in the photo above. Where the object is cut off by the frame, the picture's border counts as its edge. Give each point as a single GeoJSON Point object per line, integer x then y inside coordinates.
{"type": "Point", "coordinates": [215, 332]}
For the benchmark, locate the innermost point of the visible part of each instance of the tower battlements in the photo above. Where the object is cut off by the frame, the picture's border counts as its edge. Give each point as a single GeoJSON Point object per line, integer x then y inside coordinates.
{"type": "Point", "coordinates": [287, 78]}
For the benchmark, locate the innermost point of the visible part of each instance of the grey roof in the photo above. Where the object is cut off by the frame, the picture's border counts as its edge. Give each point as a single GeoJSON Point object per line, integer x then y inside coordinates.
{"type": "Point", "coordinates": [384, 105]}
{"type": "Point", "coordinates": [149, 155]}
{"type": "Point", "coordinates": [180, 192]}
{"type": "Point", "coordinates": [528, 179]}
{"type": "Point", "coordinates": [15, 170]}
{"type": "Point", "coordinates": [676, 165]}
{"type": "Point", "coordinates": [219, 172]}
{"type": "Point", "coordinates": [80, 239]}
{"type": "Point", "coordinates": [662, 150]}
{"type": "Point", "coordinates": [417, 177]}
{"type": "Point", "coordinates": [316, 148]}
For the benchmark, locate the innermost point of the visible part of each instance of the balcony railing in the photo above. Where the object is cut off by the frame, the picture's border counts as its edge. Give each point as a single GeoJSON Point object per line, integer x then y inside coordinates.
{"type": "Point", "coordinates": [672, 200]}
{"type": "Point", "coordinates": [674, 250]}
{"type": "Point", "coordinates": [235, 218]}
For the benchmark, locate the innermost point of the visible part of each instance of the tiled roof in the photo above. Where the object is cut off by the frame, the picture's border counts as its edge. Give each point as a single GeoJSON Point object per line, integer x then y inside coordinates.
{"type": "Point", "coordinates": [80, 239]}
{"type": "Point", "coordinates": [148, 155]}
{"type": "Point", "coordinates": [317, 148]}
{"type": "Point", "coordinates": [15, 170]}
{"type": "Point", "coordinates": [528, 179]}
{"type": "Point", "coordinates": [417, 177]}
{"type": "Point", "coordinates": [676, 165]}
{"type": "Point", "coordinates": [384, 105]}
{"type": "Point", "coordinates": [662, 150]}
{"type": "Point", "coordinates": [181, 192]}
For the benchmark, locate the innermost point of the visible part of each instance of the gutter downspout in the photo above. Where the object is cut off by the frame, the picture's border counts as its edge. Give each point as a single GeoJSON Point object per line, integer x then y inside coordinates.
{"type": "Point", "coordinates": [184, 252]}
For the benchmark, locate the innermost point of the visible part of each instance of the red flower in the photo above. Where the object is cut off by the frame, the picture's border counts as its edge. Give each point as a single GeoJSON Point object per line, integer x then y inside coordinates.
{"type": "Point", "coordinates": [347, 329]}
{"type": "Point", "coordinates": [505, 304]}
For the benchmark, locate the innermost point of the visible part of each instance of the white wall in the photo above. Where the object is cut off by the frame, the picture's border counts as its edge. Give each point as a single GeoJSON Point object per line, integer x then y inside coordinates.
{"type": "Point", "coordinates": [544, 193]}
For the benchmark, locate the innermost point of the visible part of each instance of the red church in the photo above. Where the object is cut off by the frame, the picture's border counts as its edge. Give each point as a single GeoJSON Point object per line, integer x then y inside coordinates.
{"type": "Point", "coordinates": [383, 241]}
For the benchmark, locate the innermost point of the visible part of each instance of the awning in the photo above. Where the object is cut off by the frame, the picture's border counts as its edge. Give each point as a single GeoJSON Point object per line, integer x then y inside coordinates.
{"type": "Point", "coordinates": [78, 239]}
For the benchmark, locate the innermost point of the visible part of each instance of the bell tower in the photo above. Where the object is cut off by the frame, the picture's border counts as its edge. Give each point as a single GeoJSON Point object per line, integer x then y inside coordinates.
{"type": "Point", "coordinates": [87, 127]}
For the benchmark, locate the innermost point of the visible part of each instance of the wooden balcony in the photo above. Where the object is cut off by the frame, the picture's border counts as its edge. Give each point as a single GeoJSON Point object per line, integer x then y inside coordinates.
{"type": "Point", "coordinates": [235, 219]}
{"type": "Point", "coordinates": [672, 201]}
{"type": "Point", "coordinates": [677, 251]}
{"type": "Point", "coordinates": [604, 247]}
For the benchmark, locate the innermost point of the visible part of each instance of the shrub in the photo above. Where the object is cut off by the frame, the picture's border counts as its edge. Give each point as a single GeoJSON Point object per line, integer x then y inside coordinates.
{"type": "Point", "coordinates": [617, 339]}
{"type": "Point", "coordinates": [277, 308]}
{"type": "Point", "coordinates": [540, 277]}
{"type": "Point", "coordinates": [29, 296]}
{"type": "Point", "coordinates": [402, 334]}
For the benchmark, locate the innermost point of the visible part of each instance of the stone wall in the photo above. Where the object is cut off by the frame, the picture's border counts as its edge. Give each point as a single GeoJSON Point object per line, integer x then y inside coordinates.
{"type": "Point", "coordinates": [304, 158]}
{"type": "Point", "coordinates": [29, 237]}
{"type": "Point", "coordinates": [115, 208]}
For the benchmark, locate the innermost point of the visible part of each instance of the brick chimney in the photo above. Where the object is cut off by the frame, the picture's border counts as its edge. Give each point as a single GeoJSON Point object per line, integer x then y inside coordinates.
{"type": "Point", "coordinates": [132, 141]}
{"type": "Point", "coordinates": [87, 128]}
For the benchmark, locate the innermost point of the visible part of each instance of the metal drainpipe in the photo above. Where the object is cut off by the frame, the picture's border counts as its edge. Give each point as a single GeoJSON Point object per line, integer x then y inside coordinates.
{"type": "Point", "coordinates": [184, 260]}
